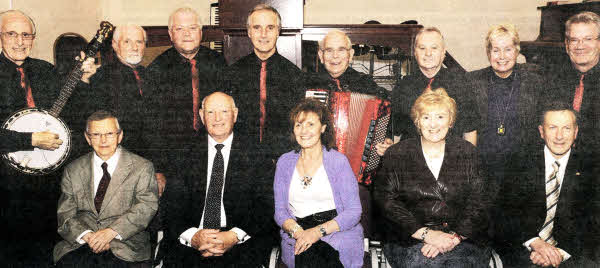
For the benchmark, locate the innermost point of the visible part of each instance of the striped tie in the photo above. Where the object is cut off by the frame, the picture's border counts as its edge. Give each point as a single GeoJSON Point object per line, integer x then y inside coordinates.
{"type": "Point", "coordinates": [552, 192]}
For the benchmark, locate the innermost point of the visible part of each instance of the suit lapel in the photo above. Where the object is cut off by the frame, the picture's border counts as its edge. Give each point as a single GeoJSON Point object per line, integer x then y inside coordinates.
{"type": "Point", "coordinates": [482, 97]}
{"type": "Point", "coordinates": [569, 183]}
{"type": "Point", "coordinates": [87, 176]}
{"type": "Point", "coordinates": [121, 172]}
{"type": "Point", "coordinates": [198, 178]}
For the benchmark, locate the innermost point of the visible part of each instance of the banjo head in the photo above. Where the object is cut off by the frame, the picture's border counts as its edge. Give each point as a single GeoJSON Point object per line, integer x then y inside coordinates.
{"type": "Point", "coordinates": [38, 161]}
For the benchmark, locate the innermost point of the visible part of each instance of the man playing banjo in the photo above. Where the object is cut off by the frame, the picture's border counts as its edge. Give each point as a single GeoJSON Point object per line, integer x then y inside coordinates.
{"type": "Point", "coordinates": [26, 83]}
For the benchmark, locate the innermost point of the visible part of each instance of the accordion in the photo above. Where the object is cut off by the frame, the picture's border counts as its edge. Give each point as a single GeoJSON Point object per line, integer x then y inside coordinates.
{"type": "Point", "coordinates": [360, 122]}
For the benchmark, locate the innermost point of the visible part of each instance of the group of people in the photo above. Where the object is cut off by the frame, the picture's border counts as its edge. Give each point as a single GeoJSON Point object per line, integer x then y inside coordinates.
{"type": "Point", "coordinates": [231, 161]}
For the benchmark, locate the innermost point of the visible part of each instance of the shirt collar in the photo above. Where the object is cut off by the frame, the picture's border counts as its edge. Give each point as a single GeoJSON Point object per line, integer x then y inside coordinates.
{"type": "Point", "coordinates": [111, 162]}
{"type": "Point", "coordinates": [549, 158]}
{"type": "Point", "coordinates": [212, 142]}
{"type": "Point", "coordinates": [10, 63]}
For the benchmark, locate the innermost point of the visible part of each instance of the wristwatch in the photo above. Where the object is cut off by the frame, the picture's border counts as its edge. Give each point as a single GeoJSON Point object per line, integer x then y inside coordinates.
{"type": "Point", "coordinates": [322, 230]}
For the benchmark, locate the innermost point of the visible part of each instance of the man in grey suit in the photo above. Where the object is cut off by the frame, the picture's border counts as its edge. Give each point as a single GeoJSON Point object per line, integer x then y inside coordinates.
{"type": "Point", "coordinates": [108, 198]}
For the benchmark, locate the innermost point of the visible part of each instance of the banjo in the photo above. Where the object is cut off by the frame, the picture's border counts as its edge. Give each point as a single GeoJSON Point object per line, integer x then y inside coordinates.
{"type": "Point", "coordinates": [39, 161]}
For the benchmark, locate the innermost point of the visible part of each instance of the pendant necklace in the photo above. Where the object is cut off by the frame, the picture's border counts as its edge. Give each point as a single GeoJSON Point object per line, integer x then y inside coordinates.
{"type": "Point", "coordinates": [501, 129]}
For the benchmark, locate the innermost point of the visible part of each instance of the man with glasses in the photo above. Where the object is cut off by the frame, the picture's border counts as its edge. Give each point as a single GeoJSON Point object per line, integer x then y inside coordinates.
{"type": "Point", "coordinates": [176, 82]}
{"type": "Point", "coordinates": [265, 82]}
{"type": "Point", "coordinates": [27, 204]}
{"type": "Point", "coordinates": [578, 82]}
{"type": "Point", "coordinates": [104, 226]}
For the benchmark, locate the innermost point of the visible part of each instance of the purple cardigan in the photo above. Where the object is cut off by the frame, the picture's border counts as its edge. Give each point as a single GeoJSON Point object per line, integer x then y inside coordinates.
{"type": "Point", "coordinates": [349, 240]}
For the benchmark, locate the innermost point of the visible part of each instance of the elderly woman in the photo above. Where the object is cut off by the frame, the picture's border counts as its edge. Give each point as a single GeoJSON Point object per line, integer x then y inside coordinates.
{"type": "Point", "coordinates": [316, 196]}
{"type": "Point", "coordinates": [429, 192]}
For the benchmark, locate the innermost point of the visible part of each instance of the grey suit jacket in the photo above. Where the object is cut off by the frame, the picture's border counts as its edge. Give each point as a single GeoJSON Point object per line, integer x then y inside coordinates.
{"type": "Point", "coordinates": [130, 202]}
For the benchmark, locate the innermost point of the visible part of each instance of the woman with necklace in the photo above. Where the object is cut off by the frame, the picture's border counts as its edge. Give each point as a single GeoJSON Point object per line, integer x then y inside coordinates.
{"type": "Point", "coordinates": [317, 204]}
{"type": "Point", "coordinates": [429, 193]}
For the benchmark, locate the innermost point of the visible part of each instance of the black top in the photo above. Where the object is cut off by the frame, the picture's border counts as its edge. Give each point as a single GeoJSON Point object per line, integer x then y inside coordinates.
{"type": "Point", "coordinates": [351, 80]}
{"type": "Point", "coordinates": [114, 87]}
{"type": "Point", "coordinates": [242, 81]}
{"type": "Point", "coordinates": [44, 83]}
{"type": "Point", "coordinates": [562, 87]}
{"type": "Point", "coordinates": [410, 87]}
{"type": "Point", "coordinates": [169, 92]}
{"type": "Point", "coordinates": [410, 197]}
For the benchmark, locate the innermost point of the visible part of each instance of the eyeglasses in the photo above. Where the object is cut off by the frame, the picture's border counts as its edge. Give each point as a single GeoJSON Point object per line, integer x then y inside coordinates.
{"type": "Point", "coordinates": [14, 35]}
{"type": "Point", "coordinates": [586, 40]}
{"type": "Point", "coordinates": [338, 50]}
{"type": "Point", "coordinates": [108, 135]}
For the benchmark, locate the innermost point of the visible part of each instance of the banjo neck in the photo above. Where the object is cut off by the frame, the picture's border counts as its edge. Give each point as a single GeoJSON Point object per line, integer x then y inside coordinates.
{"type": "Point", "coordinates": [76, 74]}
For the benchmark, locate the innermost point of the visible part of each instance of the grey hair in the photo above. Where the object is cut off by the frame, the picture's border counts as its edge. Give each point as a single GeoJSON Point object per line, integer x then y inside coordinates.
{"type": "Point", "coordinates": [187, 10]}
{"type": "Point", "coordinates": [119, 30]}
{"type": "Point", "coordinates": [582, 17]}
{"type": "Point", "coordinates": [430, 29]}
{"type": "Point", "coordinates": [99, 116]}
{"type": "Point", "coordinates": [260, 7]}
{"type": "Point", "coordinates": [14, 11]}
{"type": "Point", "coordinates": [332, 32]}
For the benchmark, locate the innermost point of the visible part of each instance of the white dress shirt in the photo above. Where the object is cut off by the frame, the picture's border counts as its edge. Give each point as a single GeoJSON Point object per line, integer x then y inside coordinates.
{"type": "Point", "coordinates": [186, 237]}
{"type": "Point", "coordinates": [111, 166]}
{"type": "Point", "coordinates": [548, 161]}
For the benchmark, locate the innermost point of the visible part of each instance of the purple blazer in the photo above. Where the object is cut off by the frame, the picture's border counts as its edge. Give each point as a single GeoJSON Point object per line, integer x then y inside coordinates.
{"type": "Point", "coordinates": [349, 240]}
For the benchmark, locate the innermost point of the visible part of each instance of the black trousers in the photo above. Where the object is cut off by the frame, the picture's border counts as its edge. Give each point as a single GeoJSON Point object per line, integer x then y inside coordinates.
{"type": "Point", "coordinates": [320, 254]}
{"type": "Point", "coordinates": [85, 257]}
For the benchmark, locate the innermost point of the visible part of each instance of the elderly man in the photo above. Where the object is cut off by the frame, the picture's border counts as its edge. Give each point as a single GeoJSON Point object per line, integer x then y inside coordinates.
{"type": "Point", "coordinates": [219, 212]}
{"type": "Point", "coordinates": [267, 83]}
{"type": "Point", "coordinates": [177, 80]}
{"type": "Point", "coordinates": [547, 197]}
{"type": "Point", "coordinates": [430, 51]}
{"type": "Point", "coordinates": [108, 197]}
{"type": "Point", "coordinates": [578, 82]}
{"type": "Point", "coordinates": [335, 53]}
{"type": "Point", "coordinates": [25, 82]}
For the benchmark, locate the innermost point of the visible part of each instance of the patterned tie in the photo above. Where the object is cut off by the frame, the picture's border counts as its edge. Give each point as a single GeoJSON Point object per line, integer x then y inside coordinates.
{"type": "Point", "coordinates": [552, 193]}
{"type": "Point", "coordinates": [212, 205]}
{"type": "Point", "coordinates": [428, 88]}
{"type": "Point", "coordinates": [263, 98]}
{"type": "Point", "coordinates": [139, 81]}
{"type": "Point", "coordinates": [27, 88]}
{"type": "Point", "coordinates": [102, 187]}
{"type": "Point", "coordinates": [578, 95]}
{"type": "Point", "coordinates": [195, 95]}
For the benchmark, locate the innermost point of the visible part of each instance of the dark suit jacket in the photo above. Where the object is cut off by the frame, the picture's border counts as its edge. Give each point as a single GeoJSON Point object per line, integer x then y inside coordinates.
{"type": "Point", "coordinates": [130, 202]}
{"type": "Point", "coordinates": [523, 203]}
{"type": "Point", "coordinates": [530, 88]}
{"type": "Point", "coordinates": [247, 198]}
{"type": "Point", "coordinates": [410, 197]}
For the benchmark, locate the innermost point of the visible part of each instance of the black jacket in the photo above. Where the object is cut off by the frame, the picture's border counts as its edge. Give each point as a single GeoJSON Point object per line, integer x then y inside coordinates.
{"type": "Point", "coordinates": [351, 80]}
{"type": "Point", "coordinates": [410, 197]}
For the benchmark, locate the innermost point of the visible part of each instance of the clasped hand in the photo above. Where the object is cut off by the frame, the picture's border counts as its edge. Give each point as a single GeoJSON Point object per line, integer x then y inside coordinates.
{"type": "Point", "coordinates": [212, 242]}
{"type": "Point", "coordinates": [544, 254]}
{"type": "Point", "coordinates": [100, 241]}
{"type": "Point", "coordinates": [437, 242]}
{"type": "Point", "coordinates": [305, 239]}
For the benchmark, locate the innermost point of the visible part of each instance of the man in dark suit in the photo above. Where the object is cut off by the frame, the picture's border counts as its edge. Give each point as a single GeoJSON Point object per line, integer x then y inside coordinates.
{"type": "Point", "coordinates": [545, 198]}
{"type": "Point", "coordinates": [265, 84]}
{"type": "Point", "coordinates": [219, 210]}
{"type": "Point", "coordinates": [108, 198]}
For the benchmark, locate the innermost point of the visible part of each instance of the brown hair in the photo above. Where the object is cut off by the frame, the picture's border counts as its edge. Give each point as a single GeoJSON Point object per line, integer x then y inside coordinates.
{"type": "Point", "coordinates": [311, 105]}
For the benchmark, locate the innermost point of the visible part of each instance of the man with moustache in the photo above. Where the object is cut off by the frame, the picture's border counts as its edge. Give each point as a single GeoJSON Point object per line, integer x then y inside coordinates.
{"type": "Point", "coordinates": [578, 82]}
{"type": "Point", "coordinates": [548, 198]}
{"type": "Point", "coordinates": [26, 82]}
{"type": "Point", "coordinates": [176, 82]}
{"type": "Point", "coordinates": [266, 83]}
{"type": "Point", "coordinates": [219, 212]}
{"type": "Point", "coordinates": [430, 51]}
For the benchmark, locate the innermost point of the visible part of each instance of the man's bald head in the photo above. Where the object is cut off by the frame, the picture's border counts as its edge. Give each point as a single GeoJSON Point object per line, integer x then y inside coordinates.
{"type": "Point", "coordinates": [219, 114]}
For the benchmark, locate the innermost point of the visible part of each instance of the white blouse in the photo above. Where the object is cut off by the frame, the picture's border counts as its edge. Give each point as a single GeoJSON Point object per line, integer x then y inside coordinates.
{"type": "Point", "coordinates": [314, 198]}
{"type": "Point", "coordinates": [434, 164]}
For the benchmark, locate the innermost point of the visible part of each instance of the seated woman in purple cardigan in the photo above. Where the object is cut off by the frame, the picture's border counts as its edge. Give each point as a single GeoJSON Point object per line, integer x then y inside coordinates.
{"type": "Point", "coordinates": [316, 196]}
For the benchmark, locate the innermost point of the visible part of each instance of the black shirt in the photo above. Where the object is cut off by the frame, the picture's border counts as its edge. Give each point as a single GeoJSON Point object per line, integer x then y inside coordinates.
{"type": "Point", "coordinates": [351, 80]}
{"type": "Point", "coordinates": [410, 87]}
{"type": "Point", "coordinates": [242, 81]}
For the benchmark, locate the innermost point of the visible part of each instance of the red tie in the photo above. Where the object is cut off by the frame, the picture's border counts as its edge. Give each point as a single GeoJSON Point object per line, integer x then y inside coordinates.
{"type": "Point", "coordinates": [195, 94]}
{"type": "Point", "coordinates": [578, 95]}
{"type": "Point", "coordinates": [27, 88]}
{"type": "Point", "coordinates": [428, 88]}
{"type": "Point", "coordinates": [337, 82]}
{"type": "Point", "coordinates": [138, 80]}
{"type": "Point", "coordinates": [263, 97]}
